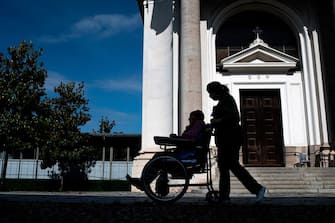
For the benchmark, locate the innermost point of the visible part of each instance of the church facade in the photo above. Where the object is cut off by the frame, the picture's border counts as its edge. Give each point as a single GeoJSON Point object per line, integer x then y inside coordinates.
{"type": "Point", "coordinates": [275, 56]}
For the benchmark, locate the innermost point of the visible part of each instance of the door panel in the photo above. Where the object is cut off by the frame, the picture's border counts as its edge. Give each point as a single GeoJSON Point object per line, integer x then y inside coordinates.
{"type": "Point", "coordinates": [262, 126]}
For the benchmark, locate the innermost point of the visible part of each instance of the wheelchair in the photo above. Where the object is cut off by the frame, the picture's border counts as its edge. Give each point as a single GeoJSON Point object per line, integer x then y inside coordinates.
{"type": "Point", "coordinates": [166, 177]}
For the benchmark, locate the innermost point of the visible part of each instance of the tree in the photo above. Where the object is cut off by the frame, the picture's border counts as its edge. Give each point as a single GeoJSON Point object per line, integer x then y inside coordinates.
{"type": "Point", "coordinates": [65, 145]}
{"type": "Point", "coordinates": [29, 119]}
{"type": "Point", "coordinates": [106, 126]}
{"type": "Point", "coordinates": [22, 78]}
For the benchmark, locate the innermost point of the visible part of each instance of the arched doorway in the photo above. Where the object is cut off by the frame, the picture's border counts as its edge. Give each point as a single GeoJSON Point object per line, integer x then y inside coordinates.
{"type": "Point", "coordinates": [260, 99]}
{"type": "Point", "coordinates": [238, 32]}
{"type": "Point", "coordinates": [305, 37]}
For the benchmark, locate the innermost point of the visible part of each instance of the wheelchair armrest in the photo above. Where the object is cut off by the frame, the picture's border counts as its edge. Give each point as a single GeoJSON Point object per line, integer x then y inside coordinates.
{"type": "Point", "coordinates": [171, 141]}
{"type": "Point", "coordinates": [163, 141]}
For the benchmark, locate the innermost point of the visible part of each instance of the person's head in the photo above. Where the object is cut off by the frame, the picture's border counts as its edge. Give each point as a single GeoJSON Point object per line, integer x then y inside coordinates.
{"type": "Point", "coordinates": [196, 115]}
{"type": "Point", "coordinates": [217, 90]}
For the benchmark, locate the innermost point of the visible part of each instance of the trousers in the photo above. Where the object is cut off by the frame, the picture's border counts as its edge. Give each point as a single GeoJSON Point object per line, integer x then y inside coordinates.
{"type": "Point", "coordinates": [228, 160]}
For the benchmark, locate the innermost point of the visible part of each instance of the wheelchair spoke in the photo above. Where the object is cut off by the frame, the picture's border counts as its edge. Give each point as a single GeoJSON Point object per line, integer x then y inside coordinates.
{"type": "Point", "coordinates": [165, 179]}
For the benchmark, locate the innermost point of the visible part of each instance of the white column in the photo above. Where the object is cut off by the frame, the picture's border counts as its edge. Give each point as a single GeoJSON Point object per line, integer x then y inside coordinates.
{"type": "Point", "coordinates": [208, 66]}
{"type": "Point", "coordinates": [190, 60]}
{"type": "Point", "coordinates": [310, 87]}
{"type": "Point", "coordinates": [157, 103]}
{"type": "Point", "coordinates": [323, 122]}
{"type": "Point", "coordinates": [313, 82]}
{"type": "Point", "coordinates": [175, 83]}
{"type": "Point", "coordinates": [307, 91]}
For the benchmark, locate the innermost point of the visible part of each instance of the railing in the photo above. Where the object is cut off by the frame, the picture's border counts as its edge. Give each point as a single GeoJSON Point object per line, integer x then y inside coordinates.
{"type": "Point", "coordinates": [105, 169]}
{"type": "Point", "coordinates": [31, 169]}
{"type": "Point", "coordinates": [327, 157]}
{"type": "Point", "coordinates": [302, 160]}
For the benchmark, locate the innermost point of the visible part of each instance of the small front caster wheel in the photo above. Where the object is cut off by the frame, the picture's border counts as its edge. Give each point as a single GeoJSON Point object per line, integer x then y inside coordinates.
{"type": "Point", "coordinates": [212, 196]}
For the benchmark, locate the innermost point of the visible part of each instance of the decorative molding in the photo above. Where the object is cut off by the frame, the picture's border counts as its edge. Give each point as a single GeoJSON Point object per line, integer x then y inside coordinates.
{"type": "Point", "coordinates": [259, 58]}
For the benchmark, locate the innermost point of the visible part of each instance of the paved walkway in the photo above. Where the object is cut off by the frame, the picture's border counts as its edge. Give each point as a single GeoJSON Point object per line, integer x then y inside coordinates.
{"type": "Point", "coordinates": [118, 207]}
{"type": "Point", "coordinates": [136, 197]}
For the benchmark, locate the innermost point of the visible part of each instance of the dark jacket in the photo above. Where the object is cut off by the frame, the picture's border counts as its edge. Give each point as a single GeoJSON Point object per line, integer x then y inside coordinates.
{"type": "Point", "coordinates": [227, 127]}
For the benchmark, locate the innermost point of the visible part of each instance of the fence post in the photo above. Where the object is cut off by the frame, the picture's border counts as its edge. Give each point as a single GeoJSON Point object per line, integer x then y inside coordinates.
{"type": "Point", "coordinates": [111, 151]}
{"type": "Point", "coordinates": [128, 152]}
{"type": "Point", "coordinates": [37, 156]}
{"type": "Point", "coordinates": [2, 159]}
{"type": "Point", "coordinates": [103, 161]}
{"type": "Point", "coordinates": [19, 167]}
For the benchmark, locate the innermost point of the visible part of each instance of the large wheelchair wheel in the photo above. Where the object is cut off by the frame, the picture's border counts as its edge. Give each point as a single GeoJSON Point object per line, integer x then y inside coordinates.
{"type": "Point", "coordinates": [165, 179]}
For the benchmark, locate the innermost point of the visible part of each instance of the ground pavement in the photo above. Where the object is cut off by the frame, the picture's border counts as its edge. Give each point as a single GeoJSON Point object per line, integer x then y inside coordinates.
{"type": "Point", "coordinates": [136, 207]}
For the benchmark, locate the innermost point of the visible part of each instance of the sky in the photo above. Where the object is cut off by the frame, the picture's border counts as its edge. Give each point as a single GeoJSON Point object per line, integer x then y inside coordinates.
{"type": "Point", "coordinates": [98, 42]}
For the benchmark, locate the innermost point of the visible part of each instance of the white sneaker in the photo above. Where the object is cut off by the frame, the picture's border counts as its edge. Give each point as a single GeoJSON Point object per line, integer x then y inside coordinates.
{"type": "Point", "coordinates": [260, 195]}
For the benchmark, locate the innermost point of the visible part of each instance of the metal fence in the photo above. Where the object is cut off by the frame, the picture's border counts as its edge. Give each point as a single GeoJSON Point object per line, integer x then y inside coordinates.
{"type": "Point", "coordinates": [31, 169]}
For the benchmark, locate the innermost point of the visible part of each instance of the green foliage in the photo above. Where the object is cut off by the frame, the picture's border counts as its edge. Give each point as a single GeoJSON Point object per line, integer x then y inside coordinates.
{"type": "Point", "coordinates": [22, 79]}
{"type": "Point", "coordinates": [29, 119]}
{"type": "Point", "coordinates": [106, 126]}
{"type": "Point", "coordinates": [64, 144]}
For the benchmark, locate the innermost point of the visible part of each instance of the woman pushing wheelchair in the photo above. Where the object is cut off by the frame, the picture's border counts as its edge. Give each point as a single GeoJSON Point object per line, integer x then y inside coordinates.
{"type": "Point", "coordinates": [184, 145]}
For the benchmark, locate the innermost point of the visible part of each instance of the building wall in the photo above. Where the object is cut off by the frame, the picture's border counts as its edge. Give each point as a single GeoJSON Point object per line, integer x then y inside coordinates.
{"type": "Point", "coordinates": [161, 88]}
{"type": "Point", "coordinates": [301, 18]}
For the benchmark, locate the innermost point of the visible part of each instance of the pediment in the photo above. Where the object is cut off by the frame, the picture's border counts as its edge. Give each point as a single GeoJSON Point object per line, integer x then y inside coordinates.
{"type": "Point", "coordinates": [259, 58]}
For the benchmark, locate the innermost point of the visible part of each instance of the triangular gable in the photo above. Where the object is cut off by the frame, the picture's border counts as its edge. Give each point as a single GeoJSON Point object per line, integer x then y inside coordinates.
{"type": "Point", "coordinates": [260, 58]}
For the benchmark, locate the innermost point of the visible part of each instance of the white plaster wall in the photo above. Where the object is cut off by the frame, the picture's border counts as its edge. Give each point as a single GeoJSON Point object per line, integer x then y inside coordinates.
{"type": "Point", "coordinates": [312, 84]}
{"type": "Point", "coordinates": [303, 112]}
{"type": "Point", "coordinates": [292, 101]}
{"type": "Point", "coordinates": [296, 112]}
{"type": "Point", "coordinates": [302, 95]}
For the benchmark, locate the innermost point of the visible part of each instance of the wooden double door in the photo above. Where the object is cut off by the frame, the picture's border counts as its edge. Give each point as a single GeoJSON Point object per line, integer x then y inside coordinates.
{"type": "Point", "coordinates": [262, 127]}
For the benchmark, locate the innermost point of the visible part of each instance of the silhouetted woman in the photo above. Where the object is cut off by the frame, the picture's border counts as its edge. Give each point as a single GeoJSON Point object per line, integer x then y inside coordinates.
{"type": "Point", "coordinates": [225, 121]}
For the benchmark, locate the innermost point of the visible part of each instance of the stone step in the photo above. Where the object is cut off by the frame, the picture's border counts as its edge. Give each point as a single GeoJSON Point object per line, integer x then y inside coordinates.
{"type": "Point", "coordinates": [288, 191]}
{"type": "Point", "coordinates": [290, 181]}
{"type": "Point", "coordinates": [280, 185]}
{"type": "Point", "coordinates": [272, 170]}
{"type": "Point", "coordinates": [288, 185]}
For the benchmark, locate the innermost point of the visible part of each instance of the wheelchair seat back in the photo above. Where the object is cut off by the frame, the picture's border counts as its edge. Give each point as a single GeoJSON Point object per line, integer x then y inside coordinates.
{"type": "Point", "coordinates": [190, 154]}
{"type": "Point", "coordinates": [199, 156]}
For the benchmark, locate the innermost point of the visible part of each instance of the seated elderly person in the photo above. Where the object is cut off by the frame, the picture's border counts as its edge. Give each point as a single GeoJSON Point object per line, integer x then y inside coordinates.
{"type": "Point", "coordinates": [193, 136]}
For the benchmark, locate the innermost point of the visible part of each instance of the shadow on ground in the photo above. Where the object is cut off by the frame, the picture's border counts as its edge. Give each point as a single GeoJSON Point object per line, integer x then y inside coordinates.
{"type": "Point", "coordinates": [92, 210]}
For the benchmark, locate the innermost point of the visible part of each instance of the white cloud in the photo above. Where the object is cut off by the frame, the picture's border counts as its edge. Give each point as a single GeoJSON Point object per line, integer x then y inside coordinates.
{"type": "Point", "coordinates": [101, 26]}
{"type": "Point", "coordinates": [124, 121]}
{"type": "Point", "coordinates": [132, 84]}
{"type": "Point", "coordinates": [129, 84]}
{"type": "Point", "coordinates": [54, 78]}
{"type": "Point", "coordinates": [114, 114]}
{"type": "Point", "coordinates": [106, 25]}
